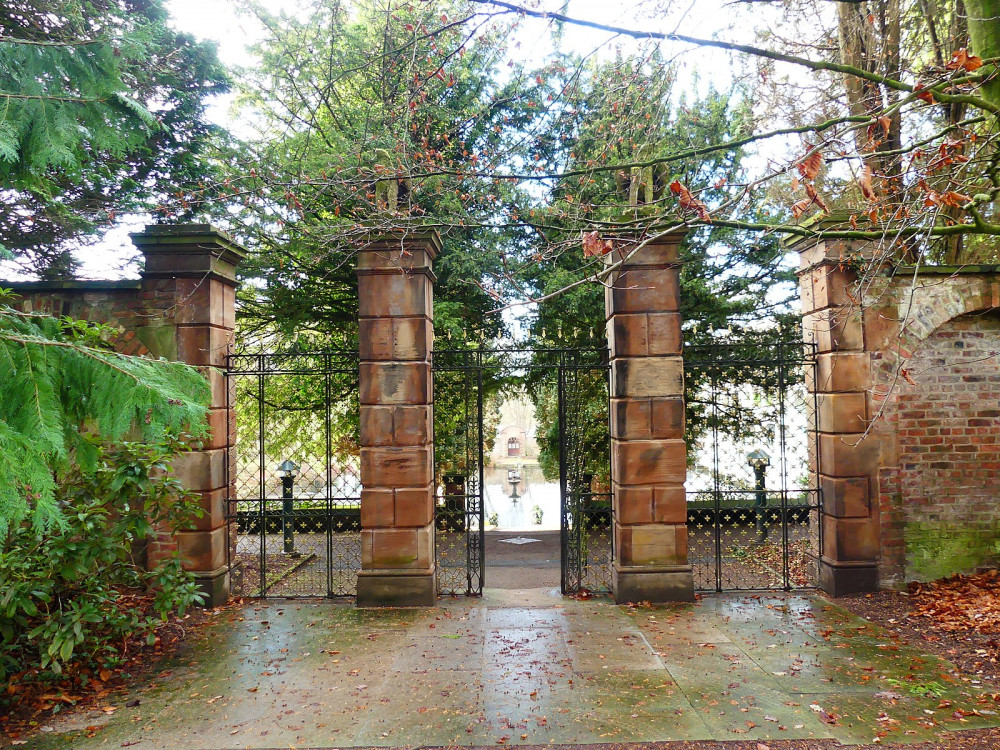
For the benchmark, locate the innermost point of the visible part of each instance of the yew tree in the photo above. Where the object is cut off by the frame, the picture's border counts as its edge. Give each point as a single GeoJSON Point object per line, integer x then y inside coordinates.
{"type": "Point", "coordinates": [375, 120]}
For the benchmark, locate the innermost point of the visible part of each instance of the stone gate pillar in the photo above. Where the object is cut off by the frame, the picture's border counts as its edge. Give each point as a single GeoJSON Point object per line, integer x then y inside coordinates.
{"type": "Point", "coordinates": [648, 452]}
{"type": "Point", "coordinates": [848, 462]}
{"type": "Point", "coordinates": [186, 311]}
{"type": "Point", "coordinates": [395, 286]}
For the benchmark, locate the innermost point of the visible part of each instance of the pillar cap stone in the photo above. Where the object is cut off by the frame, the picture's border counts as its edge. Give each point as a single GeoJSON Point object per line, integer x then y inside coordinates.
{"type": "Point", "coordinates": [428, 239]}
{"type": "Point", "coordinates": [185, 250]}
{"type": "Point", "coordinates": [411, 253]}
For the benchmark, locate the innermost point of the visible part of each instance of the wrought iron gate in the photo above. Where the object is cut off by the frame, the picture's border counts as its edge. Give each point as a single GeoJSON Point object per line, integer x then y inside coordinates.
{"type": "Point", "coordinates": [587, 520]}
{"type": "Point", "coordinates": [294, 501]}
{"type": "Point", "coordinates": [458, 464]}
{"type": "Point", "coordinates": [753, 504]}
{"type": "Point", "coordinates": [572, 384]}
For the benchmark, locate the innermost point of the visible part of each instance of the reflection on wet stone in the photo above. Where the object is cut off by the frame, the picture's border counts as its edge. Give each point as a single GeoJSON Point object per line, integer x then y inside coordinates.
{"type": "Point", "coordinates": [531, 667]}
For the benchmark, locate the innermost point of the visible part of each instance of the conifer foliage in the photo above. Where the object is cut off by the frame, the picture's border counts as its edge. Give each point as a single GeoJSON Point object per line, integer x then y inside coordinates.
{"type": "Point", "coordinates": [101, 113]}
{"type": "Point", "coordinates": [60, 384]}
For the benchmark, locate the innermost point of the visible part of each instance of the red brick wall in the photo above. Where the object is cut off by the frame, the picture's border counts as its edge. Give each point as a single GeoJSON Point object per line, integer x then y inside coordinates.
{"type": "Point", "coordinates": [940, 509]}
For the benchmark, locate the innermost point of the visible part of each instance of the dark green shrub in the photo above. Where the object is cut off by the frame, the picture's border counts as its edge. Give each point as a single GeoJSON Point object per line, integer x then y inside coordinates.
{"type": "Point", "coordinates": [69, 592]}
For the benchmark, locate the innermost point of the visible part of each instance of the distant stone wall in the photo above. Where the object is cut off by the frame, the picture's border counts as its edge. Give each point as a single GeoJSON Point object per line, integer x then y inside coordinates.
{"type": "Point", "coordinates": [182, 309]}
{"type": "Point", "coordinates": [908, 389]}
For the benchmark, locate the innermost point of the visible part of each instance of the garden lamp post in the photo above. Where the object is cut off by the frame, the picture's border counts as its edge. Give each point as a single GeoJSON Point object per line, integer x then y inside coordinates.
{"type": "Point", "coordinates": [514, 477]}
{"type": "Point", "coordinates": [288, 469]}
{"type": "Point", "coordinates": [759, 461]}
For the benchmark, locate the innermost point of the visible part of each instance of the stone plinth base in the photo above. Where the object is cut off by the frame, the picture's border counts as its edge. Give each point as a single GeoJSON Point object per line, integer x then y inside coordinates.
{"type": "Point", "coordinates": [215, 586]}
{"type": "Point", "coordinates": [391, 588]}
{"type": "Point", "coordinates": [840, 579]}
{"type": "Point", "coordinates": [673, 583]}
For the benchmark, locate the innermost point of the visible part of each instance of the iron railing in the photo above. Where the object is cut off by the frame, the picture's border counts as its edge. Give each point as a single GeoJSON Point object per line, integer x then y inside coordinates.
{"type": "Point", "coordinates": [294, 529]}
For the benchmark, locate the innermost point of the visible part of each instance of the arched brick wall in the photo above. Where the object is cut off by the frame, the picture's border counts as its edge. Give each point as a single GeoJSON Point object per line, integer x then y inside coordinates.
{"type": "Point", "coordinates": [907, 387]}
{"type": "Point", "coordinates": [939, 502]}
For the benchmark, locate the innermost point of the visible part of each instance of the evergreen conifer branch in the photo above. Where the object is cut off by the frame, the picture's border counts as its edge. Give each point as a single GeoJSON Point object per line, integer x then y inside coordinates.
{"type": "Point", "coordinates": [57, 384]}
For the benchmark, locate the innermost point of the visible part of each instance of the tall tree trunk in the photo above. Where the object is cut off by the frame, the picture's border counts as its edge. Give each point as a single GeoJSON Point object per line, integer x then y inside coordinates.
{"type": "Point", "coordinates": [984, 33]}
{"type": "Point", "coordinates": [870, 40]}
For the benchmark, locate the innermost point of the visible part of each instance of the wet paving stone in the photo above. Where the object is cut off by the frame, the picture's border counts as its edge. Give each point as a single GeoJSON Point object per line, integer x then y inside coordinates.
{"type": "Point", "coordinates": [531, 667]}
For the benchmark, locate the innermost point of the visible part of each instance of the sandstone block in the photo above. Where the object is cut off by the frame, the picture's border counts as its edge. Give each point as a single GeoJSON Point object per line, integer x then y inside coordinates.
{"type": "Point", "coordinates": [834, 329]}
{"type": "Point", "coordinates": [670, 504]}
{"type": "Point", "coordinates": [203, 345]}
{"type": "Point", "coordinates": [395, 383]}
{"type": "Point", "coordinates": [397, 295]}
{"type": "Point", "coordinates": [643, 290]}
{"type": "Point", "coordinates": [201, 470]}
{"type": "Point", "coordinates": [202, 550]}
{"type": "Point", "coordinates": [644, 419]}
{"type": "Point", "coordinates": [850, 539]}
{"type": "Point", "coordinates": [651, 544]}
{"type": "Point", "coordinates": [662, 252]}
{"type": "Point", "coordinates": [647, 377]}
{"type": "Point", "coordinates": [395, 425]}
{"type": "Point", "coordinates": [848, 455]}
{"type": "Point", "coordinates": [205, 301]}
{"type": "Point", "coordinates": [633, 505]}
{"type": "Point", "coordinates": [673, 584]}
{"type": "Point", "coordinates": [842, 412]}
{"type": "Point", "coordinates": [215, 504]}
{"type": "Point", "coordinates": [841, 371]}
{"type": "Point", "coordinates": [398, 548]}
{"type": "Point", "coordinates": [384, 339]}
{"type": "Point", "coordinates": [219, 421]}
{"type": "Point", "coordinates": [378, 509]}
{"type": "Point", "coordinates": [846, 497]}
{"type": "Point", "coordinates": [413, 253]}
{"type": "Point", "coordinates": [414, 507]}
{"type": "Point", "coordinates": [397, 467]}
{"type": "Point", "coordinates": [649, 462]}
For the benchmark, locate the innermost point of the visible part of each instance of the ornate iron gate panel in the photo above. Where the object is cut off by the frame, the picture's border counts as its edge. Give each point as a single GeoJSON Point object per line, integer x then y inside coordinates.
{"type": "Point", "coordinates": [571, 388]}
{"type": "Point", "coordinates": [458, 468]}
{"type": "Point", "coordinates": [587, 517]}
{"type": "Point", "coordinates": [294, 475]}
{"type": "Point", "coordinates": [753, 503]}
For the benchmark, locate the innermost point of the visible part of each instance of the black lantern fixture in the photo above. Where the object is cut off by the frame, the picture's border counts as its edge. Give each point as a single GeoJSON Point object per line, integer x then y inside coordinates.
{"type": "Point", "coordinates": [288, 471]}
{"type": "Point", "coordinates": [514, 478]}
{"type": "Point", "coordinates": [759, 461]}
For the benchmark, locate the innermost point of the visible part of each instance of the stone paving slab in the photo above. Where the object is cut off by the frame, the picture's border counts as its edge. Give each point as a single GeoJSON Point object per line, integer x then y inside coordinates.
{"type": "Point", "coordinates": [531, 667]}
